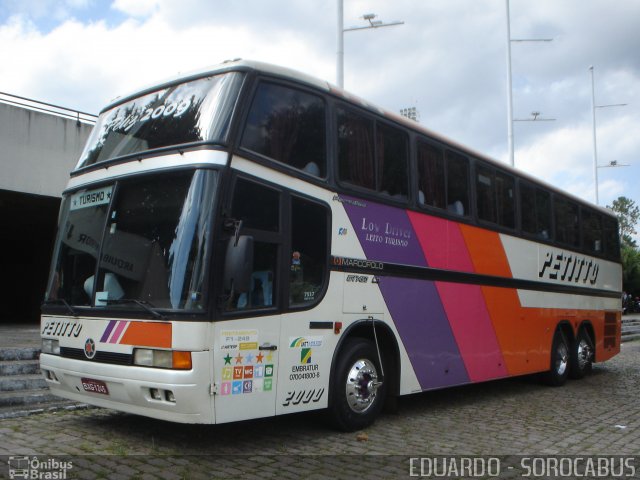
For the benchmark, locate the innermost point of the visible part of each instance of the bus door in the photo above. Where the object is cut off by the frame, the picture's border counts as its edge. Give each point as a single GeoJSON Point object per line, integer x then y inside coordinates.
{"type": "Point", "coordinates": [246, 368]}
{"type": "Point", "coordinates": [246, 344]}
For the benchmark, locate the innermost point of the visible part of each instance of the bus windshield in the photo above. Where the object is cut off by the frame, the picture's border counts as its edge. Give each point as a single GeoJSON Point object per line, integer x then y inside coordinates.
{"type": "Point", "coordinates": [194, 111]}
{"type": "Point", "coordinates": [151, 235]}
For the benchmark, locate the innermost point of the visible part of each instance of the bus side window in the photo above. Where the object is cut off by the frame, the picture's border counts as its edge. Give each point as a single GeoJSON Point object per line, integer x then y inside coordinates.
{"type": "Point", "coordinates": [457, 184]}
{"type": "Point", "coordinates": [258, 207]}
{"type": "Point", "coordinates": [567, 222]}
{"type": "Point", "coordinates": [392, 159]}
{"type": "Point", "coordinates": [535, 211]}
{"type": "Point", "coordinates": [355, 150]}
{"type": "Point", "coordinates": [485, 194]}
{"type": "Point", "coordinates": [431, 184]}
{"type": "Point", "coordinates": [308, 259]}
{"type": "Point", "coordinates": [289, 126]}
{"type": "Point", "coordinates": [261, 291]}
{"type": "Point", "coordinates": [611, 240]}
{"type": "Point", "coordinates": [592, 234]}
{"type": "Point", "coordinates": [505, 198]}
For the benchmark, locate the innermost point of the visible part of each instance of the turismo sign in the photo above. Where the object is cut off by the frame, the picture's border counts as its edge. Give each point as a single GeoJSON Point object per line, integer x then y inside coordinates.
{"type": "Point", "coordinates": [91, 198]}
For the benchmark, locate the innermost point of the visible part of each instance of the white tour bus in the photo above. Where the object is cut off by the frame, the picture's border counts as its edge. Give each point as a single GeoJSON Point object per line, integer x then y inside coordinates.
{"type": "Point", "coordinates": [248, 241]}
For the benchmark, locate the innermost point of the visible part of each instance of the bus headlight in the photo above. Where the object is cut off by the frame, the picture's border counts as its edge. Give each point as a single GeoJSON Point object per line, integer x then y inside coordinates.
{"type": "Point", "coordinates": [51, 346]}
{"type": "Point", "coordinates": [177, 360]}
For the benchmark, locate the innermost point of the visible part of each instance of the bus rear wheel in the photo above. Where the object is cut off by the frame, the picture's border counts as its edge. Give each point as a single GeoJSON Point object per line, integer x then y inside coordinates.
{"type": "Point", "coordinates": [357, 385]}
{"type": "Point", "coordinates": [581, 355]}
{"type": "Point", "coordinates": [559, 369]}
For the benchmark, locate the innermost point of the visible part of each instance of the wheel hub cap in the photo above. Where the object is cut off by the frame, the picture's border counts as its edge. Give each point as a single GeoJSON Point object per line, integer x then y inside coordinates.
{"type": "Point", "coordinates": [563, 359]}
{"type": "Point", "coordinates": [585, 354]}
{"type": "Point", "coordinates": [362, 385]}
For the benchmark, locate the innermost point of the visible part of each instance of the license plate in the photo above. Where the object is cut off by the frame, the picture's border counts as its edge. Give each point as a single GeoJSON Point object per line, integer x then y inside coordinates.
{"type": "Point", "coordinates": [94, 386]}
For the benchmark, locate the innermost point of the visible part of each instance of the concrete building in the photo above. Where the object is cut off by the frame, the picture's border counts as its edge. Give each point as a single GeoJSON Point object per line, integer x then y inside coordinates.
{"type": "Point", "coordinates": [39, 145]}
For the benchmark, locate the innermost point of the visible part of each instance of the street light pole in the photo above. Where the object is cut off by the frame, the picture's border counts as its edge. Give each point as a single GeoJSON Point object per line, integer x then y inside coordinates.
{"type": "Point", "coordinates": [510, 82]}
{"type": "Point", "coordinates": [593, 129]}
{"type": "Point", "coordinates": [340, 64]}
{"type": "Point", "coordinates": [509, 91]}
{"type": "Point", "coordinates": [372, 24]}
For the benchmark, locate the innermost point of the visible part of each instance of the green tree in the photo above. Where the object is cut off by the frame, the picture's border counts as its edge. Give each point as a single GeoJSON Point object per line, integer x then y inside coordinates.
{"type": "Point", "coordinates": [630, 269]}
{"type": "Point", "coordinates": [628, 214]}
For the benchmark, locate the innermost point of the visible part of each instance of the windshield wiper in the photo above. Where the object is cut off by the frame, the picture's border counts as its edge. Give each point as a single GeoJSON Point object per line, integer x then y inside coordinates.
{"type": "Point", "coordinates": [141, 303]}
{"type": "Point", "coordinates": [62, 301]}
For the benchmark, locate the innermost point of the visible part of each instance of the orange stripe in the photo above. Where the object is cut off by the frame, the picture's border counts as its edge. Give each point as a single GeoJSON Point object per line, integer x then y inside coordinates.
{"type": "Point", "coordinates": [148, 334]}
{"type": "Point", "coordinates": [524, 334]}
{"type": "Point", "coordinates": [486, 251]}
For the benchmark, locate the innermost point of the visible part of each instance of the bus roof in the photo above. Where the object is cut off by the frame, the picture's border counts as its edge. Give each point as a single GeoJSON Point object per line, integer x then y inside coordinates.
{"type": "Point", "coordinates": [303, 78]}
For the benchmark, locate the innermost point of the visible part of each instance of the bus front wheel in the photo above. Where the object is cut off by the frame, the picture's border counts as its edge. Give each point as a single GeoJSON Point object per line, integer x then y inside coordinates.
{"type": "Point", "coordinates": [357, 385]}
{"type": "Point", "coordinates": [581, 355]}
{"type": "Point", "coordinates": [559, 370]}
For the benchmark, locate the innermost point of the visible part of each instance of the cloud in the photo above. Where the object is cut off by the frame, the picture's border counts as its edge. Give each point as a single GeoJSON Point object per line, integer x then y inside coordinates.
{"type": "Point", "coordinates": [136, 8]}
{"type": "Point", "coordinates": [88, 64]}
{"type": "Point", "coordinates": [448, 60]}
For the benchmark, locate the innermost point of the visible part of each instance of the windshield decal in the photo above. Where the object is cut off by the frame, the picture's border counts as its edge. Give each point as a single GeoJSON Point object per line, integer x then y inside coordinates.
{"type": "Point", "coordinates": [92, 198]}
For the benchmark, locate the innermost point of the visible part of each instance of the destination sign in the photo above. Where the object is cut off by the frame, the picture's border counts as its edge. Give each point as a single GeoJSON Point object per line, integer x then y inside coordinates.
{"type": "Point", "coordinates": [91, 198]}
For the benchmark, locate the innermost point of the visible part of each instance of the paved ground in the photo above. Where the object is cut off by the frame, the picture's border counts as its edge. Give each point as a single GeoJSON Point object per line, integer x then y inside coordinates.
{"type": "Point", "coordinates": [599, 415]}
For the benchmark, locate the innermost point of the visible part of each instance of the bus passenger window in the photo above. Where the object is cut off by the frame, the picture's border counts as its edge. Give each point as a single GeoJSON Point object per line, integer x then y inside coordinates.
{"type": "Point", "coordinates": [431, 190]}
{"type": "Point", "coordinates": [355, 150]}
{"type": "Point", "coordinates": [566, 222]}
{"type": "Point", "coordinates": [485, 194]}
{"type": "Point", "coordinates": [457, 184]}
{"type": "Point", "coordinates": [592, 235]}
{"type": "Point", "coordinates": [392, 162]}
{"type": "Point", "coordinates": [289, 126]}
{"type": "Point", "coordinates": [308, 259]}
{"type": "Point", "coordinates": [611, 239]}
{"type": "Point", "coordinates": [535, 208]}
{"type": "Point", "coordinates": [505, 197]}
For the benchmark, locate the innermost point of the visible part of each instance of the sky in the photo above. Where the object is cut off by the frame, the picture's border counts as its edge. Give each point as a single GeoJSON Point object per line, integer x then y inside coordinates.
{"type": "Point", "coordinates": [448, 60]}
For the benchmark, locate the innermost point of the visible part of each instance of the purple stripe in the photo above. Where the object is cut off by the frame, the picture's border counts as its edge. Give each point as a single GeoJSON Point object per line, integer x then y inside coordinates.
{"type": "Point", "coordinates": [107, 332]}
{"type": "Point", "coordinates": [385, 233]}
{"type": "Point", "coordinates": [422, 323]}
{"type": "Point", "coordinates": [116, 335]}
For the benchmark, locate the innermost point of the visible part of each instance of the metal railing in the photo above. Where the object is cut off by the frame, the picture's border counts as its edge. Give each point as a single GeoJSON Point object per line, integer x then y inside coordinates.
{"type": "Point", "coordinates": [79, 117]}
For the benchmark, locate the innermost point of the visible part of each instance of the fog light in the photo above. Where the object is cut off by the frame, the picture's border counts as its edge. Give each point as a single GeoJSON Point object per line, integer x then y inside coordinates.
{"type": "Point", "coordinates": [168, 394]}
{"type": "Point", "coordinates": [155, 394]}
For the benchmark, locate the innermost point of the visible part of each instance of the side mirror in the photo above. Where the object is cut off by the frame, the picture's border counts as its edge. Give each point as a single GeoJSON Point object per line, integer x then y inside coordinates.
{"type": "Point", "coordinates": [238, 264]}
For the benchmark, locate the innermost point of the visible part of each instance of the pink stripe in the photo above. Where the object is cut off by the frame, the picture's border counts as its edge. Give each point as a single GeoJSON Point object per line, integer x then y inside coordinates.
{"type": "Point", "coordinates": [472, 328]}
{"type": "Point", "coordinates": [118, 331]}
{"type": "Point", "coordinates": [442, 242]}
{"type": "Point", "coordinates": [444, 247]}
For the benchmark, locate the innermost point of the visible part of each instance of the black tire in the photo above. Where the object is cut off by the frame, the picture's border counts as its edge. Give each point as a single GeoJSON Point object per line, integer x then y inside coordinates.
{"type": "Point", "coordinates": [582, 355]}
{"type": "Point", "coordinates": [560, 364]}
{"type": "Point", "coordinates": [357, 387]}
